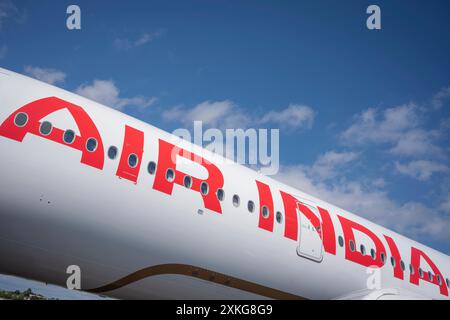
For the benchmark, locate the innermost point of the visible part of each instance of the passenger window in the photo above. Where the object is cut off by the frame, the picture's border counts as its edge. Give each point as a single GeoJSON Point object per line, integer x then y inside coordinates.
{"type": "Point", "coordinates": [69, 136]}
{"type": "Point", "coordinates": [383, 257]}
{"type": "Point", "coordinates": [220, 194]}
{"type": "Point", "coordinates": [352, 245]}
{"type": "Point", "coordinates": [236, 200]}
{"type": "Point", "coordinates": [430, 276]}
{"type": "Point", "coordinates": [363, 249]}
{"type": "Point", "coordinates": [151, 168]}
{"type": "Point", "coordinates": [45, 128]}
{"type": "Point", "coordinates": [187, 182]}
{"type": "Point", "coordinates": [439, 279]}
{"type": "Point", "coordinates": [373, 253]}
{"type": "Point", "coordinates": [112, 152]}
{"type": "Point", "coordinates": [341, 241]}
{"type": "Point", "coordinates": [265, 212]}
{"type": "Point", "coordinates": [204, 188]}
{"type": "Point", "coordinates": [412, 270]}
{"type": "Point", "coordinates": [402, 265]}
{"type": "Point", "coordinates": [132, 160]}
{"type": "Point", "coordinates": [279, 217]}
{"type": "Point", "coordinates": [421, 272]}
{"type": "Point", "coordinates": [393, 261]}
{"type": "Point", "coordinates": [170, 175]}
{"type": "Point", "coordinates": [448, 282]}
{"type": "Point", "coordinates": [21, 119]}
{"type": "Point", "coordinates": [91, 144]}
{"type": "Point", "coordinates": [251, 206]}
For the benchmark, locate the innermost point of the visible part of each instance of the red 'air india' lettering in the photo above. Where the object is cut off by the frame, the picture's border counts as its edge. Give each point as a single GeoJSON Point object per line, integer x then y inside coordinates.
{"type": "Point", "coordinates": [398, 271]}
{"type": "Point", "coordinates": [291, 204]}
{"type": "Point", "coordinates": [416, 255]}
{"type": "Point", "coordinates": [39, 109]}
{"type": "Point", "coordinates": [354, 255]}
{"type": "Point", "coordinates": [132, 144]}
{"type": "Point", "coordinates": [167, 160]}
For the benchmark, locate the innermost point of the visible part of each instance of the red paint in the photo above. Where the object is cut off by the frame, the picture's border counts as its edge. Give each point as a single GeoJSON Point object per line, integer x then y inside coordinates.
{"type": "Point", "coordinates": [348, 227]}
{"type": "Point", "coordinates": [416, 256]}
{"type": "Point", "coordinates": [39, 109]}
{"type": "Point", "coordinates": [328, 233]}
{"type": "Point", "coordinates": [167, 160]}
{"type": "Point", "coordinates": [132, 144]}
{"type": "Point", "coordinates": [398, 271]}
{"type": "Point", "coordinates": [265, 199]}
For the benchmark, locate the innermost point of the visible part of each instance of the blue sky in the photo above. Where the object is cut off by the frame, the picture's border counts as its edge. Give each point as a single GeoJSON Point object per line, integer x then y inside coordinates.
{"type": "Point", "coordinates": [364, 115]}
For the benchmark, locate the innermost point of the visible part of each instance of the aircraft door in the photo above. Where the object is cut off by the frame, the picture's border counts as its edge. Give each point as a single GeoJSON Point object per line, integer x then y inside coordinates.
{"type": "Point", "coordinates": [310, 236]}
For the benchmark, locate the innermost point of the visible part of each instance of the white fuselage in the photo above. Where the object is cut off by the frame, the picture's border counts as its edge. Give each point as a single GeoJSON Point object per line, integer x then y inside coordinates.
{"type": "Point", "coordinates": [132, 240]}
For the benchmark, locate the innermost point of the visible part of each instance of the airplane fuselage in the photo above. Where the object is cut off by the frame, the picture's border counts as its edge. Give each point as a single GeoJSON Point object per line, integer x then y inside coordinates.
{"type": "Point", "coordinates": [147, 215]}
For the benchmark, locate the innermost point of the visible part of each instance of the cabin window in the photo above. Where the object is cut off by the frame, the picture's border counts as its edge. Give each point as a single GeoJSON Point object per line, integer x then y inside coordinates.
{"type": "Point", "coordinates": [393, 261]}
{"type": "Point", "coordinates": [236, 200]}
{"type": "Point", "coordinates": [187, 182]}
{"type": "Point", "coordinates": [373, 253]}
{"type": "Point", "coordinates": [383, 257]}
{"type": "Point", "coordinates": [170, 175]}
{"type": "Point", "coordinates": [69, 136]}
{"type": "Point", "coordinates": [363, 249]}
{"type": "Point", "coordinates": [151, 167]}
{"type": "Point", "coordinates": [412, 270]}
{"type": "Point", "coordinates": [251, 206]}
{"type": "Point", "coordinates": [132, 160]}
{"type": "Point", "coordinates": [265, 212]}
{"type": "Point", "coordinates": [430, 276]}
{"type": "Point", "coordinates": [439, 279]}
{"type": "Point", "coordinates": [112, 152]}
{"type": "Point", "coordinates": [220, 194]}
{"type": "Point", "coordinates": [279, 217]}
{"type": "Point", "coordinates": [402, 265]}
{"type": "Point", "coordinates": [421, 272]}
{"type": "Point", "coordinates": [91, 144]}
{"type": "Point", "coordinates": [341, 241]}
{"type": "Point", "coordinates": [45, 128]}
{"type": "Point", "coordinates": [204, 188]}
{"type": "Point", "coordinates": [21, 119]}
{"type": "Point", "coordinates": [448, 282]}
{"type": "Point", "coordinates": [352, 245]}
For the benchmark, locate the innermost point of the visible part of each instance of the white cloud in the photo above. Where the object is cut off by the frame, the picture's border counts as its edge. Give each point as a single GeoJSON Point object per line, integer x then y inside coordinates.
{"type": "Point", "coordinates": [400, 127]}
{"type": "Point", "coordinates": [421, 169]}
{"type": "Point", "coordinates": [439, 98]}
{"type": "Point", "coordinates": [417, 142]}
{"type": "Point", "coordinates": [327, 163]}
{"type": "Point", "coordinates": [445, 205]}
{"type": "Point", "coordinates": [51, 76]}
{"type": "Point", "coordinates": [379, 183]}
{"type": "Point", "coordinates": [226, 114]}
{"type": "Point", "coordinates": [107, 93]}
{"type": "Point", "coordinates": [294, 116]}
{"type": "Point", "coordinates": [7, 9]}
{"type": "Point", "coordinates": [411, 218]}
{"type": "Point", "coordinates": [127, 44]}
{"type": "Point", "coordinates": [372, 127]}
{"type": "Point", "coordinates": [212, 113]}
{"type": "Point", "coordinates": [3, 51]}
